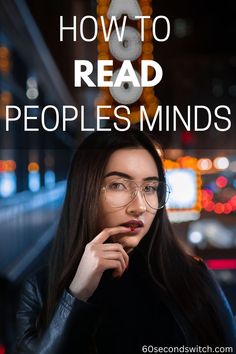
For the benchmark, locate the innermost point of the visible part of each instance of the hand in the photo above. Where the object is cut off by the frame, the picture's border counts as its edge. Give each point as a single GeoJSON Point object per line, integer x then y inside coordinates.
{"type": "Point", "coordinates": [98, 257]}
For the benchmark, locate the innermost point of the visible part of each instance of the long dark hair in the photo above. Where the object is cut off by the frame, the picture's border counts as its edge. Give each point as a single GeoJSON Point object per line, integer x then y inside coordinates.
{"type": "Point", "coordinates": [179, 275]}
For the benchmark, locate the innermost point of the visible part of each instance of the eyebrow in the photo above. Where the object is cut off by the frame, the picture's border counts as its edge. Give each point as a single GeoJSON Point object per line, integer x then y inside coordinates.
{"type": "Point", "coordinates": [126, 176]}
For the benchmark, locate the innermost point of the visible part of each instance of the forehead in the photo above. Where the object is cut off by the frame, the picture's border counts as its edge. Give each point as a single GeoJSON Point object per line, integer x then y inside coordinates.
{"type": "Point", "coordinates": [135, 162]}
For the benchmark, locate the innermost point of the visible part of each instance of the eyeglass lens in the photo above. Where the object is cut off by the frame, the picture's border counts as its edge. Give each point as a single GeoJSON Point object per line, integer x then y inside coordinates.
{"type": "Point", "coordinates": [120, 192]}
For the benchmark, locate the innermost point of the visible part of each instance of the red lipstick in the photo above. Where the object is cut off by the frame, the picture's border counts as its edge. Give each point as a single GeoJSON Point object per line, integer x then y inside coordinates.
{"type": "Point", "coordinates": [133, 224]}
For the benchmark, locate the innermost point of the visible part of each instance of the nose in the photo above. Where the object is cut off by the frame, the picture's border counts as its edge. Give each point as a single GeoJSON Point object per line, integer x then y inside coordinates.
{"type": "Point", "coordinates": [138, 205]}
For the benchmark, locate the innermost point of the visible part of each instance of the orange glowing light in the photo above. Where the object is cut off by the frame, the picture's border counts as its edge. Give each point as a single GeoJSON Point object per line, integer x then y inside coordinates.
{"type": "Point", "coordinates": [33, 167]}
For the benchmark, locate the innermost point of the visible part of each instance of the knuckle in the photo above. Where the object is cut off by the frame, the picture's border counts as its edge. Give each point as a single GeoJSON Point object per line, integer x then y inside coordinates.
{"type": "Point", "coordinates": [119, 247]}
{"type": "Point", "coordinates": [117, 264]}
{"type": "Point", "coordinates": [106, 230]}
{"type": "Point", "coordinates": [121, 259]}
{"type": "Point", "coordinates": [91, 248]}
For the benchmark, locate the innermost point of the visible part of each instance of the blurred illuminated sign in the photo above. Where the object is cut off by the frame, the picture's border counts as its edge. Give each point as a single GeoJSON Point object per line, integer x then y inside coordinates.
{"type": "Point", "coordinates": [134, 48]}
{"type": "Point", "coordinates": [184, 179]}
{"type": "Point", "coordinates": [7, 184]}
{"type": "Point", "coordinates": [183, 184]}
{"type": "Point", "coordinates": [34, 181]}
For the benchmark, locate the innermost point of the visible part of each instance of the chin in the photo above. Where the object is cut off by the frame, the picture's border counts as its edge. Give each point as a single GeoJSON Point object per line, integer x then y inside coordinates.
{"type": "Point", "coordinates": [129, 242]}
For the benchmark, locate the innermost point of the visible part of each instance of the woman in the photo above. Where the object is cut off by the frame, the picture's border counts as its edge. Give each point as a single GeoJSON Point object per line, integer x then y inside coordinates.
{"type": "Point", "coordinates": [118, 279]}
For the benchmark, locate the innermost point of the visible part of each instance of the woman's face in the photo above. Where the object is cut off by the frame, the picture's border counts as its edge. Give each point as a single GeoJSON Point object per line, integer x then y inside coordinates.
{"type": "Point", "coordinates": [125, 167]}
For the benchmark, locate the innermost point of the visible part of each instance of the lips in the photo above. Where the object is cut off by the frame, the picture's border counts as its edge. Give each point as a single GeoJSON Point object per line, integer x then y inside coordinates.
{"type": "Point", "coordinates": [133, 224]}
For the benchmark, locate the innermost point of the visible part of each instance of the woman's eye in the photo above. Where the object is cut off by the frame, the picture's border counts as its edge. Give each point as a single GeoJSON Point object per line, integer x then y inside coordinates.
{"type": "Point", "coordinates": [117, 186]}
{"type": "Point", "coordinates": [150, 189]}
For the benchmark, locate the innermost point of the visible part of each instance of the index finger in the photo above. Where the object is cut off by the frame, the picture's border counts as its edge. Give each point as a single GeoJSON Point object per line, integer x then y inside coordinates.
{"type": "Point", "coordinates": [106, 233]}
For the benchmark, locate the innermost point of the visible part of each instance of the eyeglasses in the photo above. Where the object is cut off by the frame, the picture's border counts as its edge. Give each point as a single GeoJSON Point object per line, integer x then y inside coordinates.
{"type": "Point", "coordinates": [120, 192]}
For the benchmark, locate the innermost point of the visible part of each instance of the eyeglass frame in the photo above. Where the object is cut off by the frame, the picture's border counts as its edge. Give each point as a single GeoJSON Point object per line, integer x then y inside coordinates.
{"type": "Point", "coordinates": [139, 187]}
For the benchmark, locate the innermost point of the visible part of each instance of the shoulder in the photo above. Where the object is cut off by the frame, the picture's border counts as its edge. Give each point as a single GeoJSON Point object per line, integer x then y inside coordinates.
{"type": "Point", "coordinates": [198, 266]}
{"type": "Point", "coordinates": [198, 259]}
{"type": "Point", "coordinates": [205, 275]}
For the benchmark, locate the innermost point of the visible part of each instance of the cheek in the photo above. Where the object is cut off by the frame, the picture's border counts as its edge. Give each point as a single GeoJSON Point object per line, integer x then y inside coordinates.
{"type": "Point", "coordinates": [101, 213]}
{"type": "Point", "coordinates": [102, 206]}
{"type": "Point", "coordinates": [105, 215]}
{"type": "Point", "coordinates": [150, 219]}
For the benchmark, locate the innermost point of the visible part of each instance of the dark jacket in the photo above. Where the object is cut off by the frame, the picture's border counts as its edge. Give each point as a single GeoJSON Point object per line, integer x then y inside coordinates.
{"type": "Point", "coordinates": [122, 316]}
